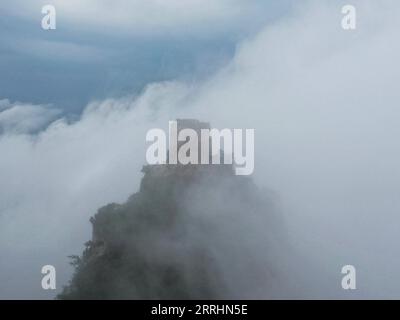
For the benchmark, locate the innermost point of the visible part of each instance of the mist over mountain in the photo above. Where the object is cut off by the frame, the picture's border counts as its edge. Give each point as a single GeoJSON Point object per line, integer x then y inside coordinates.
{"type": "Point", "coordinates": [177, 238]}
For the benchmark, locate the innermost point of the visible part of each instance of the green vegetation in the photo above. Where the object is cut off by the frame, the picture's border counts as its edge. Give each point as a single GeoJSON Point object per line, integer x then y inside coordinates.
{"type": "Point", "coordinates": [159, 244]}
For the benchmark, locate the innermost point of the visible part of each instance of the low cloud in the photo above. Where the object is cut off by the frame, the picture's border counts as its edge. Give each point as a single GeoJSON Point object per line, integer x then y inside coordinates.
{"type": "Point", "coordinates": [17, 118]}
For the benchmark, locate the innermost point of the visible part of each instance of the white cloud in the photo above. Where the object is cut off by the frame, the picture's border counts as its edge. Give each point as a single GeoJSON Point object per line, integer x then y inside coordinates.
{"type": "Point", "coordinates": [142, 17]}
{"type": "Point", "coordinates": [24, 118]}
{"type": "Point", "coordinates": [52, 182]}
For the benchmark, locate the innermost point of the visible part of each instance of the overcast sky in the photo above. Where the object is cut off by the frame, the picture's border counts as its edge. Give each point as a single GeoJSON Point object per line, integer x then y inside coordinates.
{"type": "Point", "coordinates": [100, 49]}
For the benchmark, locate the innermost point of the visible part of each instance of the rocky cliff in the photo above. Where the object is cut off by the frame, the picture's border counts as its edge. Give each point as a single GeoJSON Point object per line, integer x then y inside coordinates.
{"type": "Point", "coordinates": [185, 234]}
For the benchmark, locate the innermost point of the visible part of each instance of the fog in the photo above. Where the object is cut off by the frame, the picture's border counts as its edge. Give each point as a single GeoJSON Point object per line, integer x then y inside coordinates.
{"type": "Point", "coordinates": [323, 103]}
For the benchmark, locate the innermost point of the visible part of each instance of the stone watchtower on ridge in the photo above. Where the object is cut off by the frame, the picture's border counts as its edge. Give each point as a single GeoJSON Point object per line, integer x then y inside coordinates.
{"type": "Point", "coordinates": [195, 125]}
